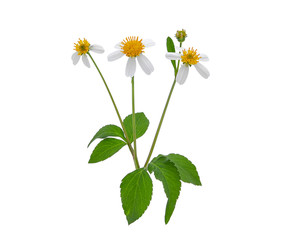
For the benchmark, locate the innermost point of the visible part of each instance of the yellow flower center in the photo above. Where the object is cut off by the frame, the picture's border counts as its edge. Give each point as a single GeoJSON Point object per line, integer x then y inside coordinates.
{"type": "Point", "coordinates": [82, 46]}
{"type": "Point", "coordinates": [190, 56]}
{"type": "Point", "coordinates": [132, 46]}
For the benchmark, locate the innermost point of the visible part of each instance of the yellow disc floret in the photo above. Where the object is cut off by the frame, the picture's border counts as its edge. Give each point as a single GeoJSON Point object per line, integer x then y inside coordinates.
{"type": "Point", "coordinates": [132, 46]}
{"type": "Point", "coordinates": [190, 56]}
{"type": "Point", "coordinates": [82, 46]}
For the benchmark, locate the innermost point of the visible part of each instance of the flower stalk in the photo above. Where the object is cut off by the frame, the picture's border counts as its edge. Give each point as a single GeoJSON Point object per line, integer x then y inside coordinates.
{"type": "Point", "coordinates": [160, 124]}
{"type": "Point", "coordinates": [134, 125]}
{"type": "Point", "coordinates": [163, 115]}
{"type": "Point", "coordinates": [116, 109]}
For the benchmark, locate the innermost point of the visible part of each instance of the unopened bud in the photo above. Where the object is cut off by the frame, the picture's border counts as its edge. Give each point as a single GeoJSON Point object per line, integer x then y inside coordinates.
{"type": "Point", "coordinates": [181, 35]}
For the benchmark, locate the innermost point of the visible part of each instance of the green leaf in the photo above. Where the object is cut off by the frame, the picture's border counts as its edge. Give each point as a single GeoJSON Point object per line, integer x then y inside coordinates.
{"type": "Point", "coordinates": [171, 48]}
{"type": "Point", "coordinates": [136, 193]}
{"type": "Point", "coordinates": [105, 149]}
{"type": "Point", "coordinates": [166, 172]}
{"type": "Point", "coordinates": [186, 169]}
{"type": "Point", "coordinates": [108, 131]}
{"type": "Point", "coordinates": [141, 123]}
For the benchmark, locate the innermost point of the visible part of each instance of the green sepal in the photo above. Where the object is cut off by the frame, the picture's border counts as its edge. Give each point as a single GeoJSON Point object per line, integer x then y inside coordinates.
{"type": "Point", "coordinates": [136, 193]}
{"type": "Point", "coordinates": [105, 149]}
{"type": "Point", "coordinates": [141, 124]}
{"type": "Point", "coordinates": [108, 131]}
{"type": "Point", "coordinates": [171, 48]}
{"type": "Point", "coordinates": [167, 173]}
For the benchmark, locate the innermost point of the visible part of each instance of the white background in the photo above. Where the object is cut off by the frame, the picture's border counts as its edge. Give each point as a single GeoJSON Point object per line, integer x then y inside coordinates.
{"type": "Point", "coordinates": [232, 126]}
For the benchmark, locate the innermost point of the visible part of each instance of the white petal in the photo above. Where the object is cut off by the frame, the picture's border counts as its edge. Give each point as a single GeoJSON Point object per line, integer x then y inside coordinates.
{"type": "Point", "coordinates": [115, 55]}
{"type": "Point", "coordinates": [75, 58]}
{"type": "Point", "coordinates": [118, 45]}
{"type": "Point", "coordinates": [85, 60]}
{"type": "Point", "coordinates": [130, 67]}
{"type": "Point", "coordinates": [148, 42]}
{"type": "Point", "coordinates": [204, 57]}
{"type": "Point", "coordinates": [173, 56]}
{"type": "Point", "coordinates": [203, 71]}
{"type": "Point", "coordinates": [182, 74]}
{"type": "Point", "coordinates": [179, 49]}
{"type": "Point", "coordinates": [145, 64]}
{"type": "Point", "coordinates": [96, 48]}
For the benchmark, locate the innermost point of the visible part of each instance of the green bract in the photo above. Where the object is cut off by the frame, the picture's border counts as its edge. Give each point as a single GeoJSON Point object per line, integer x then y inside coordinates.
{"type": "Point", "coordinates": [171, 48]}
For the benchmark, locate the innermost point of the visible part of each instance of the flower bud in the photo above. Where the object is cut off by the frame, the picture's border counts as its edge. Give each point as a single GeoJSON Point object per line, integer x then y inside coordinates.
{"type": "Point", "coordinates": [181, 35]}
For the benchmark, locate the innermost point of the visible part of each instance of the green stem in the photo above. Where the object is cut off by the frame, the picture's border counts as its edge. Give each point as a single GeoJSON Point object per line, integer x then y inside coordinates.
{"type": "Point", "coordinates": [115, 107]}
{"type": "Point", "coordinates": [163, 115]}
{"type": "Point", "coordinates": [178, 62]}
{"type": "Point", "coordinates": [133, 124]}
{"type": "Point", "coordinates": [160, 124]}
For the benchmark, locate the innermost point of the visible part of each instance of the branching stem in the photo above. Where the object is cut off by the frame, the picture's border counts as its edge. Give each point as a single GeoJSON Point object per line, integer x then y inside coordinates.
{"type": "Point", "coordinates": [117, 112]}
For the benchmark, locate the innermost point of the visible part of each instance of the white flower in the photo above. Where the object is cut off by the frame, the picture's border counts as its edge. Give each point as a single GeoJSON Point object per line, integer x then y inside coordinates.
{"type": "Point", "coordinates": [133, 48]}
{"type": "Point", "coordinates": [189, 57]}
{"type": "Point", "coordinates": [82, 47]}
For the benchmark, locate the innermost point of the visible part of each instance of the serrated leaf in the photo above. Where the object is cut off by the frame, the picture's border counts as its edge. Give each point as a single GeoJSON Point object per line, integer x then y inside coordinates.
{"type": "Point", "coordinates": [105, 149]}
{"type": "Point", "coordinates": [136, 193]}
{"type": "Point", "coordinates": [171, 48]}
{"type": "Point", "coordinates": [167, 173]}
{"type": "Point", "coordinates": [187, 170]}
{"type": "Point", "coordinates": [108, 131]}
{"type": "Point", "coordinates": [141, 123]}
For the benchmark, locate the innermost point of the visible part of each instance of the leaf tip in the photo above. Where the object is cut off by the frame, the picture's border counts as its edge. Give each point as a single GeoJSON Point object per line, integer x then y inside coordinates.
{"type": "Point", "coordinates": [199, 184]}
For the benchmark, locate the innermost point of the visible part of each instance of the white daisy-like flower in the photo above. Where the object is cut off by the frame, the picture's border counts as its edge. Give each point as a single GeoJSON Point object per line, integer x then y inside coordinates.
{"type": "Point", "coordinates": [82, 47]}
{"type": "Point", "coordinates": [189, 57]}
{"type": "Point", "coordinates": [133, 48]}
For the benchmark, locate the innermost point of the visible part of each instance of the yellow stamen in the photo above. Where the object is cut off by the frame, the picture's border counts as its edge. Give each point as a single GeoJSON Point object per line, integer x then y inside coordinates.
{"type": "Point", "coordinates": [132, 46]}
{"type": "Point", "coordinates": [82, 46]}
{"type": "Point", "coordinates": [190, 56]}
